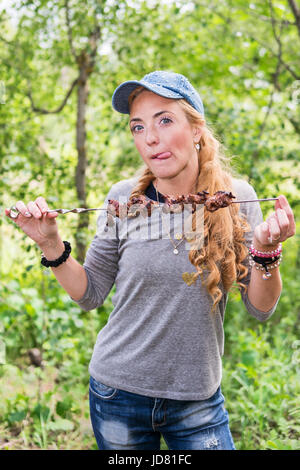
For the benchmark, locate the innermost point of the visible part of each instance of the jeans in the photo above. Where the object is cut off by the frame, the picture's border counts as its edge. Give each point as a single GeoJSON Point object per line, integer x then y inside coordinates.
{"type": "Point", "coordinates": [124, 420]}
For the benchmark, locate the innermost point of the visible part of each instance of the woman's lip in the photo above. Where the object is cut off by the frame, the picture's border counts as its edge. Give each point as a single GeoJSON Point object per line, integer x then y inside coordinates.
{"type": "Point", "coordinates": [162, 156]}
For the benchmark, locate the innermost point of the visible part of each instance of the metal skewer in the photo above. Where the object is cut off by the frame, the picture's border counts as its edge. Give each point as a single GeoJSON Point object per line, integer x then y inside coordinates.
{"type": "Point", "coordinates": [14, 212]}
{"type": "Point", "coordinates": [255, 200]}
{"type": "Point", "coordinates": [77, 210]}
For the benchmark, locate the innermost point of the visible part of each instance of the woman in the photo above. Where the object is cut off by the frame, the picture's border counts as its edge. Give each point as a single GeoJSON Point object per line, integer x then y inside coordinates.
{"type": "Point", "coordinates": [156, 365]}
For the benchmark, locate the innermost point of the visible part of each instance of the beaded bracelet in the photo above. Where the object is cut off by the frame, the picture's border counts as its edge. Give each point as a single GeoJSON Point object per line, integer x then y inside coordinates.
{"type": "Point", "coordinates": [265, 254]}
{"type": "Point", "coordinates": [266, 274]}
{"type": "Point", "coordinates": [264, 262]}
{"type": "Point", "coordinates": [60, 260]}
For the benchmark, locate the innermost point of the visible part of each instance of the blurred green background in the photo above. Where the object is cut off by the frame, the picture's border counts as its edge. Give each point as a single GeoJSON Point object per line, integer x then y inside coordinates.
{"type": "Point", "coordinates": [60, 62]}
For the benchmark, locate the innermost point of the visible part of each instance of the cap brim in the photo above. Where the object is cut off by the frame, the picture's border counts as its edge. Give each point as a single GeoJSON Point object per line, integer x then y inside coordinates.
{"type": "Point", "coordinates": [122, 93]}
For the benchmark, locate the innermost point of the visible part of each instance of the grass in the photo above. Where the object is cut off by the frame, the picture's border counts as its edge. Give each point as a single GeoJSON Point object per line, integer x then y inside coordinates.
{"type": "Point", "coordinates": [40, 412]}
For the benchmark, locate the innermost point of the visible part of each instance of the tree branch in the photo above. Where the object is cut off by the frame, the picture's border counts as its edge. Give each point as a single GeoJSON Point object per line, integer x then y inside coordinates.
{"type": "Point", "coordinates": [278, 40]}
{"type": "Point", "coordinates": [296, 12]}
{"type": "Point", "coordinates": [273, 22]}
{"type": "Point", "coordinates": [70, 35]}
{"type": "Point", "coordinates": [9, 43]}
{"type": "Point", "coordinates": [279, 43]}
{"type": "Point", "coordinates": [274, 54]}
{"type": "Point", "coordinates": [265, 46]}
{"type": "Point", "coordinates": [266, 19]}
{"type": "Point", "coordinates": [93, 41]}
{"type": "Point", "coordinates": [274, 76]}
{"type": "Point", "coordinates": [295, 124]}
{"type": "Point", "coordinates": [55, 111]}
{"type": "Point", "coordinates": [270, 104]}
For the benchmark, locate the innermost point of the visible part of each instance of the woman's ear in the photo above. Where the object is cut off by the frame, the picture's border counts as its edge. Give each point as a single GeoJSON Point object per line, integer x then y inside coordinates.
{"type": "Point", "coordinates": [197, 132]}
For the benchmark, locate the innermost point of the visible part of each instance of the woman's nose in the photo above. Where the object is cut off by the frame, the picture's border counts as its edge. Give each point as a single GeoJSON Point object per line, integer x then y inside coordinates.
{"type": "Point", "coordinates": [151, 136]}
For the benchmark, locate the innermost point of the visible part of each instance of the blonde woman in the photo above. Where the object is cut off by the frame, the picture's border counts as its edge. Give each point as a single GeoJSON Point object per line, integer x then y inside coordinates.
{"type": "Point", "coordinates": [156, 367]}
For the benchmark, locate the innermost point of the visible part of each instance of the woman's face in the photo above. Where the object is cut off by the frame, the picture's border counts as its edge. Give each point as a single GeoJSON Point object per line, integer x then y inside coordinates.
{"type": "Point", "coordinates": [163, 136]}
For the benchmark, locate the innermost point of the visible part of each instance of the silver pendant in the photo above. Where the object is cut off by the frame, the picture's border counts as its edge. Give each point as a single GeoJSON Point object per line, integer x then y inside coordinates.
{"type": "Point", "coordinates": [266, 275]}
{"type": "Point", "coordinates": [175, 251]}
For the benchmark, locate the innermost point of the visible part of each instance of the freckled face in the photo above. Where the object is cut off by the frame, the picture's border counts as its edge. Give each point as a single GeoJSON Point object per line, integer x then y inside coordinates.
{"type": "Point", "coordinates": [159, 126]}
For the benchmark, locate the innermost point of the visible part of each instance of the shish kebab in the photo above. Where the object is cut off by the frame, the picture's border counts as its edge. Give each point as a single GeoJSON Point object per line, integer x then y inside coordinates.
{"type": "Point", "coordinates": [171, 204]}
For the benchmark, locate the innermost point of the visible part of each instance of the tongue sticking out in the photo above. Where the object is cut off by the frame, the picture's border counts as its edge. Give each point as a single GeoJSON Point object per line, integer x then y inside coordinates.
{"type": "Point", "coordinates": [163, 155]}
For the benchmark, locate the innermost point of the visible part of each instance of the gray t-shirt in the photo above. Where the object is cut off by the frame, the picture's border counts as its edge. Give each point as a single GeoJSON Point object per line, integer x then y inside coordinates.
{"type": "Point", "coordinates": [160, 339]}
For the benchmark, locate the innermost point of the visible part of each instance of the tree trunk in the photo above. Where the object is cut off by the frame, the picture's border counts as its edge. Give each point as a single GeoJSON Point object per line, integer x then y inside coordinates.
{"type": "Point", "coordinates": [80, 177]}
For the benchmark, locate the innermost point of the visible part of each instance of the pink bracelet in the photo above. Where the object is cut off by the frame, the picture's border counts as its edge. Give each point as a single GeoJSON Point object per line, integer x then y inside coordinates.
{"type": "Point", "coordinates": [265, 254]}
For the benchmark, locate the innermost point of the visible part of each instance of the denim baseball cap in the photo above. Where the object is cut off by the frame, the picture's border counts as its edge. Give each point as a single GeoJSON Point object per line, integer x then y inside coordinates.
{"type": "Point", "coordinates": [167, 84]}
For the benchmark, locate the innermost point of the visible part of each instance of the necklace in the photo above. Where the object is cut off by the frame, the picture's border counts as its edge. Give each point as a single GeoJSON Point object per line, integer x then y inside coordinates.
{"type": "Point", "coordinates": [175, 250]}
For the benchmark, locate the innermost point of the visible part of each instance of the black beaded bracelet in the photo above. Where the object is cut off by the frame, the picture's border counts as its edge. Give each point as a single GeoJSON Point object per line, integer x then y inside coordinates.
{"type": "Point", "coordinates": [60, 260]}
{"type": "Point", "coordinates": [263, 261]}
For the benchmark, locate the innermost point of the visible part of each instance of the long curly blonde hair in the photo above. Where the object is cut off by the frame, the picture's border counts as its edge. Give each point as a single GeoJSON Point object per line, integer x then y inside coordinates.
{"type": "Point", "coordinates": [223, 247]}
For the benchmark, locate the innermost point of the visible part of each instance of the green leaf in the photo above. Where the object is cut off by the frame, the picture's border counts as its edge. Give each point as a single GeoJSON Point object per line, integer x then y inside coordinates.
{"type": "Point", "coordinates": [17, 416]}
{"type": "Point", "coordinates": [60, 425]}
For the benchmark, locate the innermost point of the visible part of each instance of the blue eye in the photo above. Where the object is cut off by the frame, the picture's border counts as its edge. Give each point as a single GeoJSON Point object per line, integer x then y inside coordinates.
{"type": "Point", "coordinates": [134, 128]}
{"type": "Point", "coordinates": [166, 119]}
{"type": "Point", "coordinates": [139, 127]}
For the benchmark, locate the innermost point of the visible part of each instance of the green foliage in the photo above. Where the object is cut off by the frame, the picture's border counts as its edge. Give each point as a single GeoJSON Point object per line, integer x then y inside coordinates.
{"type": "Point", "coordinates": [262, 369]}
{"type": "Point", "coordinates": [244, 60]}
{"type": "Point", "coordinates": [39, 419]}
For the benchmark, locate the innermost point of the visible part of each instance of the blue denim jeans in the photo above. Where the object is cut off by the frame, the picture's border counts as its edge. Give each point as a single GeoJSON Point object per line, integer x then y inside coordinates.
{"type": "Point", "coordinates": [124, 420]}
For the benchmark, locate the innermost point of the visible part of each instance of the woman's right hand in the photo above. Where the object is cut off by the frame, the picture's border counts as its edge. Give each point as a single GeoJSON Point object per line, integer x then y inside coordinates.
{"type": "Point", "coordinates": [41, 227]}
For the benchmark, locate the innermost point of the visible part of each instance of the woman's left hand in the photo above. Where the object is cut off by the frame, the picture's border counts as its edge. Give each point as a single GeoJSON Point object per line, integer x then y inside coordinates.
{"type": "Point", "coordinates": [279, 226]}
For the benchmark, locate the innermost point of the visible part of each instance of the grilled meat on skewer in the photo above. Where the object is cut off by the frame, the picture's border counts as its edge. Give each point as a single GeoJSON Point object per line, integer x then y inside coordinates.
{"type": "Point", "coordinates": [131, 208]}
{"type": "Point", "coordinates": [218, 200]}
{"type": "Point", "coordinates": [171, 204]}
